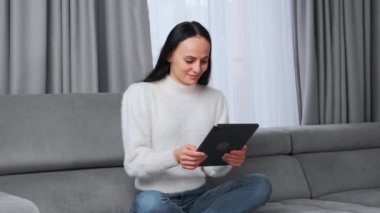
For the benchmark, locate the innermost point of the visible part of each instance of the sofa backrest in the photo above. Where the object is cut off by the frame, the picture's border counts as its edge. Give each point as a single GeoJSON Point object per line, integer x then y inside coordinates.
{"type": "Point", "coordinates": [41, 132]}
{"type": "Point", "coordinates": [338, 157]}
{"type": "Point", "coordinates": [269, 153]}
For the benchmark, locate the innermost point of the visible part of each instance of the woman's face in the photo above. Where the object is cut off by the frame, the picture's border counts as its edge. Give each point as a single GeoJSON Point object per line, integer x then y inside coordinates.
{"type": "Point", "coordinates": [189, 60]}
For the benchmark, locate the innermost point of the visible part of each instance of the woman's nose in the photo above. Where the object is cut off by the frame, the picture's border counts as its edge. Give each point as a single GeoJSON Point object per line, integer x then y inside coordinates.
{"type": "Point", "coordinates": [197, 67]}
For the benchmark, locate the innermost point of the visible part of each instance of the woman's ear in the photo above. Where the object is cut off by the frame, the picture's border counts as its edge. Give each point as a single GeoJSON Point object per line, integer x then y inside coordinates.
{"type": "Point", "coordinates": [169, 58]}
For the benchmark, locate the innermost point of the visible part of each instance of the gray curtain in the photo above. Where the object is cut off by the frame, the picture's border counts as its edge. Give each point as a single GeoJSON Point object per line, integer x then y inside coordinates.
{"type": "Point", "coordinates": [73, 46]}
{"type": "Point", "coordinates": [337, 60]}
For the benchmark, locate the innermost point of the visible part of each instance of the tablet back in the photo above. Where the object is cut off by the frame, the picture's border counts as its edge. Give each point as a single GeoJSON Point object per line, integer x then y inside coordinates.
{"type": "Point", "coordinates": [224, 138]}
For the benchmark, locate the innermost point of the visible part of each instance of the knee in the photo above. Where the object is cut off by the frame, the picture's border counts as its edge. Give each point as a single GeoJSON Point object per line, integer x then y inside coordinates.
{"type": "Point", "coordinates": [148, 201]}
{"type": "Point", "coordinates": [262, 185]}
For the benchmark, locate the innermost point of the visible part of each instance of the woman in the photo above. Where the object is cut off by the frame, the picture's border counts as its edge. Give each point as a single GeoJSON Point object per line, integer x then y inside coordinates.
{"type": "Point", "coordinates": [165, 118]}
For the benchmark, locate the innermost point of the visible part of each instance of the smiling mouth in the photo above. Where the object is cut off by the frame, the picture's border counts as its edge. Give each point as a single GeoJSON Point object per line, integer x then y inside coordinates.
{"type": "Point", "coordinates": [194, 78]}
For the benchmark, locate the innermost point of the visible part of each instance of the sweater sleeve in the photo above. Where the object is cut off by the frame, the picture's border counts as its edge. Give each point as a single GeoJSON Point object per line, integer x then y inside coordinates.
{"type": "Point", "coordinates": [140, 160]}
{"type": "Point", "coordinates": [221, 117]}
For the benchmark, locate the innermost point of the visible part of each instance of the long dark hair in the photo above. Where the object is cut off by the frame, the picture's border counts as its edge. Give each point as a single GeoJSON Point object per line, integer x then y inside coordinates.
{"type": "Point", "coordinates": [178, 34]}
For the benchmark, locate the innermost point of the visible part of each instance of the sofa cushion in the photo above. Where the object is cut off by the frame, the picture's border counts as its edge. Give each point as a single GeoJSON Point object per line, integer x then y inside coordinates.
{"type": "Point", "coordinates": [334, 137]}
{"type": "Point", "coordinates": [331, 172]}
{"type": "Point", "coordinates": [314, 206]}
{"type": "Point", "coordinates": [13, 204]}
{"type": "Point", "coordinates": [269, 141]}
{"type": "Point", "coordinates": [54, 132]}
{"type": "Point", "coordinates": [368, 197]}
{"type": "Point", "coordinates": [284, 172]}
{"type": "Point", "coordinates": [75, 191]}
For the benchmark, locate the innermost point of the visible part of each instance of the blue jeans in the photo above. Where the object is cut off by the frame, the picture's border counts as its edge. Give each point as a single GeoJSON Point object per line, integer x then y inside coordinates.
{"type": "Point", "coordinates": [242, 195]}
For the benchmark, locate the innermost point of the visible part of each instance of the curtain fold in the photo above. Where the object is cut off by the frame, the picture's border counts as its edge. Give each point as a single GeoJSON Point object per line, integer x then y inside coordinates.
{"type": "Point", "coordinates": [4, 46]}
{"type": "Point", "coordinates": [335, 60]}
{"type": "Point", "coordinates": [375, 62]}
{"type": "Point", "coordinates": [68, 46]}
{"type": "Point", "coordinates": [27, 50]}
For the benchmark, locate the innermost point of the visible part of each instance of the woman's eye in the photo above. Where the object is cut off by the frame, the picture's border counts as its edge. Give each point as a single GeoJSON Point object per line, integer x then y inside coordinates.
{"type": "Point", "coordinates": [189, 61]}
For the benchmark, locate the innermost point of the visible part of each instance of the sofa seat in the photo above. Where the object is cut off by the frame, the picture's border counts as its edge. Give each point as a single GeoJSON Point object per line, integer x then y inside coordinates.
{"type": "Point", "coordinates": [13, 204]}
{"type": "Point", "coordinates": [367, 197]}
{"type": "Point", "coordinates": [72, 191]}
{"type": "Point", "coordinates": [314, 206]}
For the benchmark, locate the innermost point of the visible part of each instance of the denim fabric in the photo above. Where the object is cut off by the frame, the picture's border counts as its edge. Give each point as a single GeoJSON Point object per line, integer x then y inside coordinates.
{"type": "Point", "coordinates": [242, 195]}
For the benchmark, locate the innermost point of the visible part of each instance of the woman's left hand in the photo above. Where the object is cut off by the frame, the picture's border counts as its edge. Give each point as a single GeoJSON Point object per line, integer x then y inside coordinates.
{"type": "Point", "coordinates": [235, 157]}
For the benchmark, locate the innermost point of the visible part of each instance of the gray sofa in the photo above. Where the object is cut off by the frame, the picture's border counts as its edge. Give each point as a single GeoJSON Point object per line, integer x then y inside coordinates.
{"type": "Point", "coordinates": [63, 153]}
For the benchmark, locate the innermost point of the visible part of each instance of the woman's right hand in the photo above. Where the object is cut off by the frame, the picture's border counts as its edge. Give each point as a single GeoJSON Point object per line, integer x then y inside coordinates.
{"type": "Point", "coordinates": [189, 157]}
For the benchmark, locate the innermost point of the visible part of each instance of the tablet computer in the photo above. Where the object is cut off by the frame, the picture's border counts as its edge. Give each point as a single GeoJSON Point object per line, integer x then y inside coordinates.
{"type": "Point", "coordinates": [223, 138]}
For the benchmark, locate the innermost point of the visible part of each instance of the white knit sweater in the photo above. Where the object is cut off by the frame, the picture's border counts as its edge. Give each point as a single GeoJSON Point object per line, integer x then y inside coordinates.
{"type": "Point", "coordinates": [160, 116]}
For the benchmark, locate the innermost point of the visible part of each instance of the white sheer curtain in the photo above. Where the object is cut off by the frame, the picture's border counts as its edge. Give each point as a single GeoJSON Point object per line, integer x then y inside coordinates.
{"type": "Point", "coordinates": [252, 53]}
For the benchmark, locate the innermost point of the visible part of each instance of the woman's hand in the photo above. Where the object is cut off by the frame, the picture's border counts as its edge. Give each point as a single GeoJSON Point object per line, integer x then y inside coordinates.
{"type": "Point", "coordinates": [235, 157]}
{"type": "Point", "coordinates": [189, 157]}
